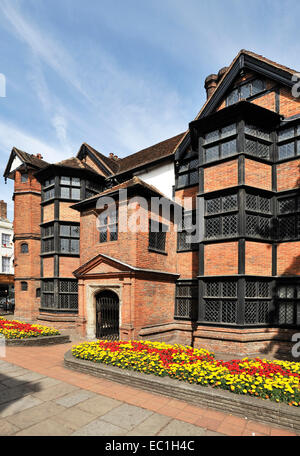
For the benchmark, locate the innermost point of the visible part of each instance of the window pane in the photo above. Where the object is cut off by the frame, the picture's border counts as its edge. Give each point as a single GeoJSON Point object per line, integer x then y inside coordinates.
{"type": "Point", "coordinates": [228, 148]}
{"type": "Point", "coordinates": [257, 86]}
{"type": "Point", "coordinates": [233, 97]}
{"type": "Point", "coordinates": [75, 231]}
{"type": "Point", "coordinates": [194, 178]}
{"type": "Point", "coordinates": [103, 234]}
{"type": "Point", "coordinates": [65, 192]}
{"type": "Point", "coordinates": [76, 181]}
{"type": "Point", "coordinates": [65, 230]}
{"type": "Point", "coordinates": [183, 180]}
{"type": "Point", "coordinates": [74, 246]}
{"type": "Point", "coordinates": [64, 245]}
{"type": "Point", "coordinates": [113, 232]}
{"type": "Point", "coordinates": [75, 193]}
{"type": "Point", "coordinates": [228, 131]}
{"type": "Point", "coordinates": [212, 153]}
{"type": "Point", "coordinates": [5, 264]}
{"type": "Point", "coordinates": [211, 136]}
{"type": "Point", "coordinates": [245, 90]}
{"type": "Point", "coordinates": [286, 150]}
{"type": "Point", "coordinates": [286, 134]}
{"type": "Point", "coordinates": [24, 177]}
{"type": "Point", "coordinates": [65, 180]}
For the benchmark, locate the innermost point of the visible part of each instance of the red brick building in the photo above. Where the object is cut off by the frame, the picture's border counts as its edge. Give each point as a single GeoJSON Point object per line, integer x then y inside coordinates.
{"type": "Point", "coordinates": [236, 288]}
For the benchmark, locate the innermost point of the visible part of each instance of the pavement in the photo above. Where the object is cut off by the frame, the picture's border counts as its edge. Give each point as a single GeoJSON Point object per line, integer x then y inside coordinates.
{"type": "Point", "coordinates": [40, 397]}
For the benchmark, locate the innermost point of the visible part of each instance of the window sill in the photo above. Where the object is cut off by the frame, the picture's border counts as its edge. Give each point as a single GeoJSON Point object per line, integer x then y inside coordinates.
{"type": "Point", "coordinates": [162, 252]}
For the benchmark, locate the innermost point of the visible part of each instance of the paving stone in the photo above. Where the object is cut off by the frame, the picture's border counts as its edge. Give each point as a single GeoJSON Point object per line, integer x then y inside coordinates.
{"type": "Point", "coordinates": [36, 414]}
{"type": "Point", "coordinates": [179, 428]}
{"type": "Point", "coordinates": [13, 373]}
{"type": "Point", "coordinates": [151, 426]}
{"type": "Point", "coordinates": [18, 405]}
{"type": "Point", "coordinates": [26, 378]}
{"type": "Point", "coordinates": [99, 405]}
{"type": "Point", "coordinates": [100, 428]}
{"type": "Point", "coordinates": [55, 391]}
{"type": "Point", "coordinates": [46, 382]}
{"type": "Point", "coordinates": [75, 398]}
{"type": "Point", "coordinates": [50, 427]}
{"type": "Point", "coordinates": [75, 418]}
{"type": "Point", "coordinates": [127, 416]}
{"type": "Point", "coordinates": [7, 428]}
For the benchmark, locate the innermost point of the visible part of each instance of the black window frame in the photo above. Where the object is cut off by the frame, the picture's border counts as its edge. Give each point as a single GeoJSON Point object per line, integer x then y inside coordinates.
{"type": "Point", "coordinates": [187, 168]}
{"type": "Point", "coordinates": [108, 226]}
{"type": "Point", "coordinates": [239, 87]}
{"type": "Point", "coordinates": [24, 248]}
{"type": "Point", "coordinates": [293, 140]}
{"type": "Point", "coordinates": [186, 301]}
{"type": "Point", "coordinates": [182, 244]}
{"type": "Point", "coordinates": [70, 238]}
{"type": "Point", "coordinates": [157, 238]}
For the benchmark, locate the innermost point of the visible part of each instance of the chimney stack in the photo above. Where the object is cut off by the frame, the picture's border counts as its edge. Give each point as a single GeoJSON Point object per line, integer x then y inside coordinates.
{"type": "Point", "coordinates": [212, 80]}
{"type": "Point", "coordinates": [39, 156]}
{"type": "Point", "coordinates": [210, 84]}
{"type": "Point", "coordinates": [3, 210]}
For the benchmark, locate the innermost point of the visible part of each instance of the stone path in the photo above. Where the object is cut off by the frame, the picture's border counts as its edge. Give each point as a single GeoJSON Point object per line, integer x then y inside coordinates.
{"type": "Point", "coordinates": [39, 396]}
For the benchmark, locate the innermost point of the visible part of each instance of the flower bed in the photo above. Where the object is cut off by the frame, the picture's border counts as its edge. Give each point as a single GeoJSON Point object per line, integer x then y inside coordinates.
{"type": "Point", "coordinates": [14, 329]}
{"type": "Point", "coordinates": [278, 381]}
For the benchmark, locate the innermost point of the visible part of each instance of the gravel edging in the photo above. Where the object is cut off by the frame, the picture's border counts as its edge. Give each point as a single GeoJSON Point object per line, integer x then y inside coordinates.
{"type": "Point", "coordinates": [39, 341]}
{"type": "Point", "coordinates": [245, 406]}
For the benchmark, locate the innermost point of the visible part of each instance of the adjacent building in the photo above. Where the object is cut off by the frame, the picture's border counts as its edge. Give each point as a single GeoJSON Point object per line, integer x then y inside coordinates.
{"type": "Point", "coordinates": [7, 259]}
{"type": "Point", "coordinates": [236, 287]}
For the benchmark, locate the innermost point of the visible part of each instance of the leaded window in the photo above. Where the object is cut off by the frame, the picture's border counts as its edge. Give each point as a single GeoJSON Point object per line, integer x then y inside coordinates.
{"type": "Point", "coordinates": [220, 143]}
{"type": "Point", "coordinates": [288, 304]}
{"type": "Point", "coordinates": [47, 238]}
{"type": "Point", "coordinates": [258, 226]}
{"type": "Point", "coordinates": [258, 312]}
{"type": "Point", "coordinates": [70, 187]}
{"type": "Point", "coordinates": [258, 203]}
{"type": "Point", "coordinates": [289, 142]}
{"type": "Point", "coordinates": [225, 225]}
{"type": "Point", "coordinates": [188, 231]}
{"type": "Point", "coordinates": [108, 226]}
{"type": "Point", "coordinates": [92, 188]}
{"type": "Point", "coordinates": [69, 238]}
{"type": "Point", "coordinates": [68, 294]}
{"type": "Point", "coordinates": [257, 141]}
{"type": "Point", "coordinates": [220, 301]}
{"type": "Point", "coordinates": [289, 217]}
{"type": "Point", "coordinates": [157, 236]}
{"type": "Point", "coordinates": [186, 301]}
{"type": "Point", "coordinates": [187, 173]}
{"type": "Point", "coordinates": [60, 294]}
{"type": "Point", "coordinates": [48, 189]}
{"type": "Point", "coordinates": [245, 90]}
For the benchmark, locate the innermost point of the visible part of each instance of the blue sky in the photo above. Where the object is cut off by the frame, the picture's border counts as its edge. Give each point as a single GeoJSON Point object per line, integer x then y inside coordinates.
{"type": "Point", "coordinates": [122, 74]}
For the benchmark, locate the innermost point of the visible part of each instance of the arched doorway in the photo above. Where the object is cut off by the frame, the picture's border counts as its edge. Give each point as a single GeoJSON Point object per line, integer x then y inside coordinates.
{"type": "Point", "coordinates": [107, 315]}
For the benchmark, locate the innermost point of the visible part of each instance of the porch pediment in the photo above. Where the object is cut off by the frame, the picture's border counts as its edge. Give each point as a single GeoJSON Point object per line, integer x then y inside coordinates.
{"type": "Point", "coordinates": [102, 264]}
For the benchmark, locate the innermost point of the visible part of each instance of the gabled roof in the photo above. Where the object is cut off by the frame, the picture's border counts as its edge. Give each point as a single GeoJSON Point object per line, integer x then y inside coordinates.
{"type": "Point", "coordinates": [244, 59]}
{"type": "Point", "coordinates": [27, 159]}
{"type": "Point", "coordinates": [135, 182]}
{"type": "Point", "coordinates": [108, 165]}
{"type": "Point", "coordinates": [120, 266]}
{"type": "Point", "coordinates": [153, 153]}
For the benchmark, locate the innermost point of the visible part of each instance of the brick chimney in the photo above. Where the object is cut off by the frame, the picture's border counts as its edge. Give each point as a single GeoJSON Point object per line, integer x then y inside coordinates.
{"type": "Point", "coordinates": [113, 156]}
{"type": "Point", "coordinates": [3, 210]}
{"type": "Point", "coordinates": [210, 84]}
{"type": "Point", "coordinates": [39, 156]}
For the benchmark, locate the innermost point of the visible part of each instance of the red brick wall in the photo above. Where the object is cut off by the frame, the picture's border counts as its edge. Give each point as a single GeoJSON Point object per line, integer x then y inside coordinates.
{"type": "Point", "coordinates": [258, 174]}
{"type": "Point", "coordinates": [258, 258]}
{"type": "Point", "coordinates": [67, 265]}
{"type": "Point", "coordinates": [289, 106]}
{"type": "Point", "coordinates": [27, 216]}
{"type": "Point", "coordinates": [187, 264]}
{"type": "Point", "coordinates": [67, 213]}
{"type": "Point", "coordinates": [221, 258]}
{"type": "Point", "coordinates": [288, 175]}
{"type": "Point", "coordinates": [48, 214]}
{"type": "Point", "coordinates": [288, 258]}
{"type": "Point", "coordinates": [221, 176]}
